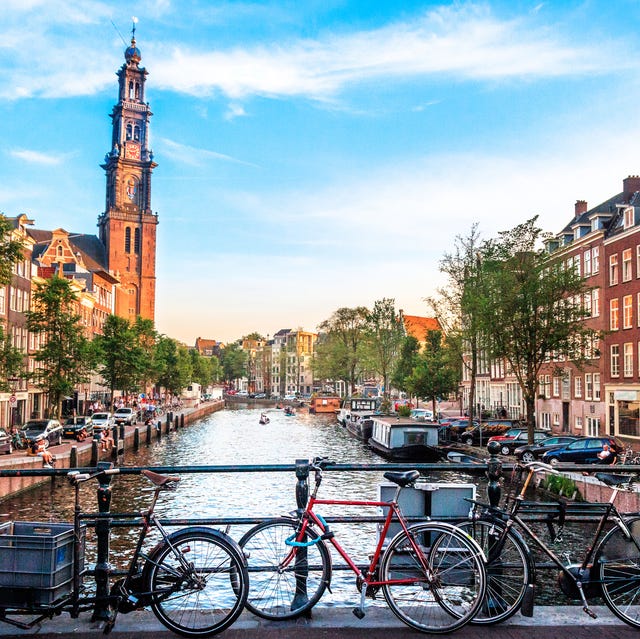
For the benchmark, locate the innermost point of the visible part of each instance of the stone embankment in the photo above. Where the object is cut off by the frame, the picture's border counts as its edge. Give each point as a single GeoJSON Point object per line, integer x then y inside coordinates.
{"type": "Point", "coordinates": [73, 454]}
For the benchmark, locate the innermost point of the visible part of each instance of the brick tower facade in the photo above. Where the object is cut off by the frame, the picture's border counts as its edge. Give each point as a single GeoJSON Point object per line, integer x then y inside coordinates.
{"type": "Point", "coordinates": [127, 228]}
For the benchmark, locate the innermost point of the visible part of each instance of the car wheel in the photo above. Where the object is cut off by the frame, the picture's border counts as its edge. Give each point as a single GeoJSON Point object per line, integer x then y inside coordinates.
{"type": "Point", "coordinates": [467, 441]}
{"type": "Point", "coordinates": [554, 461]}
{"type": "Point", "coordinates": [505, 450]}
{"type": "Point", "coordinates": [528, 456]}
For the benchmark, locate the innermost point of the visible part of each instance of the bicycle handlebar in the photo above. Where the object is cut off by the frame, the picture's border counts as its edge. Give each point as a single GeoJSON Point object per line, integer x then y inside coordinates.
{"type": "Point", "coordinates": [77, 477]}
{"type": "Point", "coordinates": [537, 466]}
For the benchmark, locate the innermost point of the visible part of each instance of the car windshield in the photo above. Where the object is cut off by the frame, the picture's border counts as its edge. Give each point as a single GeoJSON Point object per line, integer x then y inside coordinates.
{"type": "Point", "coordinates": [35, 427]}
{"type": "Point", "coordinates": [123, 410]}
{"type": "Point", "coordinates": [100, 416]}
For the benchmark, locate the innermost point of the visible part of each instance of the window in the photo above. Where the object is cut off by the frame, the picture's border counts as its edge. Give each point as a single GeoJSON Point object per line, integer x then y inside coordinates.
{"type": "Point", "coordinates": [628, 360]}
{"type": "Point", "coordinates": [588, 385]}
{"type": "Point", "coordinates": [577, 386]}
{"type": "Point", "coordinates": [638, 260]}
{"type": "Point", "coordinates": [127, 240]}
{"type": "Point", "coordinates": [3, 300]}
{"type": "Point", "coordinates": [627, 311]}
{"type": "Point", "coordinates": [136, 133]}
{"type": "Point", "coordinates": [614, 314]}
{"type": "Point", "coordinates": [626, 265]}
{"type": "Point", "coordinates": [556, 385]}
{"type": "Point", "coordinates": [596, 387]}
{"type": "Point", "coordinates": [136, 242]}
{"type": "Point", "coordinates": [588, 303]}
{"type": "Point", "coordinates": [593, 426]}
{"type": "Point", "coordinates": [129, 131]}
{"type": "Point", "coordinates": [595, 302]}
{"type": "Point", "coordinates": [595, 259]}
{"type": "Point", "coordinates": [586, 259]}
{"type": "Point", "coordinates": [613, 270]}
{"type": "Point", "coordinates": [578, 423]}
{"type": "Point", "coordinates": [615, 360]}
{"type": "Point", "coordinates": [628, 217]}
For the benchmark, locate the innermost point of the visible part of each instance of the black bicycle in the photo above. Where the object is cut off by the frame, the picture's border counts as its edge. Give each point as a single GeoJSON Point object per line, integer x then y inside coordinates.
{"type": "Point", "coordinates": [195, 579]}
{"type": "Point", "coordinates": [609, 569]}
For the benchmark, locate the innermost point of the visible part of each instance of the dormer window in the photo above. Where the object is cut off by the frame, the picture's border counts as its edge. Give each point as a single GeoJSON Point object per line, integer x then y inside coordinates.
{"type": "Point", "coordinates": [629, 217]}
{"type": "Point", "coordinates": [595, 224]}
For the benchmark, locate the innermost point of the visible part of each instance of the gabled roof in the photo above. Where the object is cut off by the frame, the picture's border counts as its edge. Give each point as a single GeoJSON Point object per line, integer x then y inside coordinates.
{"type": "Point", "coordinates": [418, 327]}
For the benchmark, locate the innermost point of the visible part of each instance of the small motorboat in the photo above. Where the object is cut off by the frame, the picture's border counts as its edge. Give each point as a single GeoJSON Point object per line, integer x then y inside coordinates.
{"type": "Point", "coordinates": [289, 411]}
{"type": "Point", "coordinates": [264, 419]}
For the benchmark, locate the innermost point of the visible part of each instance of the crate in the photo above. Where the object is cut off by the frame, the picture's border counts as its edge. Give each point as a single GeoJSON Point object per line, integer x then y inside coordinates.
{"type": "Point", "coordinates": [429, 500]}
{"type": "Point", "coordinates": [36, 562]}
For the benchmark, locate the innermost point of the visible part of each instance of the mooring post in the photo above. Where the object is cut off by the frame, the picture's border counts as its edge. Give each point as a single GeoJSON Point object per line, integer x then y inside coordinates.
{"type": "Point", "coordinates": [494, 472]}
{"type": "Point", "coordinates": [136, 438]}
{"type": "Point", "coordinates": [301, 562]}
{"type": "Point", "coordinates": [103, 526]}
{"type": "Point", "coordinates": [181, 420]}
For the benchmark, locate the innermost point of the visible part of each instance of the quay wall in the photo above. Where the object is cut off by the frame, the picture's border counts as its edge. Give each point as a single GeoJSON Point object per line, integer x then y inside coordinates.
{"type": "Point", "coordinates": [72, 454]}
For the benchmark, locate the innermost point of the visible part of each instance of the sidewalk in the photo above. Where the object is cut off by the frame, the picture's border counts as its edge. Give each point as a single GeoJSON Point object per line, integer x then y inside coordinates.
{"type": "Point", "coordinates": [568, 622]}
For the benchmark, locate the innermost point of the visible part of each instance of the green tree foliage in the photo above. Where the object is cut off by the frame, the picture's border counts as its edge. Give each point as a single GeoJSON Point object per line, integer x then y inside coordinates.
{"type": "Point", "coordinates": [174, 365]}
{"type": "Point", "coordinates": [436, 373]}
{"type": "Point", "coordinates": [65, 357]}
{"type": "Point", "coordinates": [339, 351]}
{"type": "Point", "coordinates": [234, 362]}
{"type": "Point", "coordinates": [385, 332]}
{"type": "Point", "coordinates": [407, 361]}
{"type": "Point", "coordinates": [11, 361]}
{"type": "Point", "coordinates": [202, 368]}
{"type": "Point", "coordinates": [121, 357]}
{"type": "Point", "coordinates": [11, 250]}
{"type": "Point", "coordinates": [457, 305]}
{"type": "Point", "coordinates": [528, 310]}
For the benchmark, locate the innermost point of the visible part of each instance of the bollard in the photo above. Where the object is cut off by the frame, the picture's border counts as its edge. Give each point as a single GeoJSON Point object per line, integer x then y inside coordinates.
{"type": "Point", "coordinates": [169, 419]}
{"type": "Point", "coordinates": [148, 433]}
{"type": "Point", "coordinates": [176, 421]}
{"type": "Point", "coordinates": [103, 568]}
{"type": "Point", "coordinates": [136, 438]}
{"type": "Point", "coordinates": [122, 431]}
{"type": "Point", "coordinates": [116, 442]}
{"type": "Point", "coordinates": [494, 472]}
{"type": "Point", "coordinates": [73, 457]}
{"type": "Point", "coordinates": [301, 563]}
{"type": "Point", "coordinates": [168, 427]}
{"type": "Point", "coordinates": [94, 454]}
{"type": "Point", "coordinates": [158, 431]}
{"type": "Point", "coordinates": [181, 420]}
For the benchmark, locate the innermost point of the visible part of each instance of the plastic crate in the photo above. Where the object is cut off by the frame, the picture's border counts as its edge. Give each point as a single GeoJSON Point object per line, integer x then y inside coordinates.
{"type": "Point", "coordinates": [36, 562]}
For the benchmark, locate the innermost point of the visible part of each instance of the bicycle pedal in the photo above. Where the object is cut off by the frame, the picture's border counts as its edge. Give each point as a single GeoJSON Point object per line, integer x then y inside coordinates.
{"type": "Point", "coordinates": [358, 612]}
{"type": "Point", "coordinates": [590, 612]}
{"type": "Point", "coordinates": [108, 627]}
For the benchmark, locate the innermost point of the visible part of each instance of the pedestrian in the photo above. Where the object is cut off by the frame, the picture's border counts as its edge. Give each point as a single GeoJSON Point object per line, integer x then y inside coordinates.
{"type": "Point", "coordinates": [606, 455]}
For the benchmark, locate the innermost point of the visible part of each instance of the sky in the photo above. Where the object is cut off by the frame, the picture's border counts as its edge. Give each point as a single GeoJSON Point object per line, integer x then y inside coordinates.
{"type": "Point", "coordinates": [319, 154]}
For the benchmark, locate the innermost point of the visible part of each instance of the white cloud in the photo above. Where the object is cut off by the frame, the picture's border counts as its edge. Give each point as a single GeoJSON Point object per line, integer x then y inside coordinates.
{"type": "Point", "coordinates": [185, 154]}
{"type": "Point", "coordinates": [38, 157]}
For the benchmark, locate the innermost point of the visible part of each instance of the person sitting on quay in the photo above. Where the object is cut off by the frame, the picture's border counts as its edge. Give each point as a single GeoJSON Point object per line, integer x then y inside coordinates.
{"type": "Point", "coordinates": [606, 455]}
{"type": "Point", "coordinates": [37, 448]}
{"type": "Point", "coordinates": [106, 439]}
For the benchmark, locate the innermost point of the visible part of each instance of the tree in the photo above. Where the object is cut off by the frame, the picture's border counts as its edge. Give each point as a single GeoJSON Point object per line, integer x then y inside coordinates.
{"type": "Point", "coordinates": [385, 332]}
{"type": "Point", "coordinates": [407, 361]}
{"type": "Point", "coordinates": [457, 305]}
{"type": "Point", "coordinates": [339, 353]}
{"type": "Point", "coordinates": [65, 357]}
{"type": "Point", "coordinates": [11, 361]}
{"type": "Point", "coordinates": [528, 311]}
{"type": "Point", "coordinates": [234, 362]}
{"type": "Point", "coordinates": [437, 371]}
{"type": "Point", "coordinates": [119, 354]}
{"type": "Point", "coordinates": [11, 250]}
{"type": "Point", "coordinates": [174, 363]}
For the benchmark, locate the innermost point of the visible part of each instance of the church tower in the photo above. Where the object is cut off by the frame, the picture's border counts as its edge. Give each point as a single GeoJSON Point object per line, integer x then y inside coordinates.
{"type": "Point", "coordinates": [127, 228]}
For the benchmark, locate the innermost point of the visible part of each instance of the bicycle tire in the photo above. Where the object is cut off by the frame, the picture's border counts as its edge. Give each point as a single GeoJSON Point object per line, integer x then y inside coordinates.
{"type": "Point", "coordinates": [618, 558]}
{"type": "Point", "coordinates": [509, 571]}
{"type": "Point", "coordinates": [209, 597]}
{"type": "Point", "coordinates": [452, 595]}
{"type": "Point", "coordinates": [276, 593]}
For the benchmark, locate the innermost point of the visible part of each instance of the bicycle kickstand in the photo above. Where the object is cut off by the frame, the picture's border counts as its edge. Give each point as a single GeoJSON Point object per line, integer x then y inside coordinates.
{"type": "Point", "coordinates": [358, 611]}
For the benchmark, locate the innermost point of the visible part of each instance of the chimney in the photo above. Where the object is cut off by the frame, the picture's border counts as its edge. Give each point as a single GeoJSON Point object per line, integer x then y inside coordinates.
{"type": "Point", "coordinates": [580, 207]}
{"type": "Point", "coordinates": [630, 185]}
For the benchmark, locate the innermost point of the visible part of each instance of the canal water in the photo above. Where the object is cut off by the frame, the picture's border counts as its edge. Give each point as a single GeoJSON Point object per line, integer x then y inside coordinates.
{"type": "Point", "coordinates": [234, 437]}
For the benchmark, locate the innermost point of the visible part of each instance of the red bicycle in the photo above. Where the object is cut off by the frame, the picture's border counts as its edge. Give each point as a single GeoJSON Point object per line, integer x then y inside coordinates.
{"type": "Point", "coordinates": [431, 574]}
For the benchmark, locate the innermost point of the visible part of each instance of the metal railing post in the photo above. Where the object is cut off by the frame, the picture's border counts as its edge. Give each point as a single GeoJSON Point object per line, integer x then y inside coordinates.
{"type": "Point", "coordinates": [103, 568]}
{"type": "Point", "coordinates": [494, 472]}
{"type": "Point", "coordinates": [301, 561]}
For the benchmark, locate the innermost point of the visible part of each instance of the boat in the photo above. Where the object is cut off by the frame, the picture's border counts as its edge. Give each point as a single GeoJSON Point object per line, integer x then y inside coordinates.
{"type": "Point", "coordinates": [403, 439]}
{"type": "Point", "coordinates": [350, 404]}
{"type": "Point", "coordinates": [360, 424]}
{"type": "Point", "coordinates": [289, 410]}
{"type": "Point", "coordinates": [324, 404]}
{"type": "Point", "coordinates": [264, 419]}
{"type": "Point", "coordinates": [460, 457]}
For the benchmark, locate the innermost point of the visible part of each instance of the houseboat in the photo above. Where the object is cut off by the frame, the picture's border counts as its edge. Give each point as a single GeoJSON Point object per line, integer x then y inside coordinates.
{"type": "Point", "coordinates": [405, 439]}
{"type": "Point", "coordinates": [350, 404]}
{"type": "Point", "coordinates": [324, 404]}
{"type": "Point", "coordinates": [360, 424]}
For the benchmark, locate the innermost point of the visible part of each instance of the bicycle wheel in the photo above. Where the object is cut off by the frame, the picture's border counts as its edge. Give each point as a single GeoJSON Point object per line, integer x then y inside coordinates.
{"type": "Point", "coordinates": [509, 570]}
{"type": "Point", "coordinates": [618, 558]}
{"type": "Point", "coordinates": [286, 581]}
{"type": "Point", "coordinates": [439, 587]}
{"type": "Point", "coordinates": [198, 584]}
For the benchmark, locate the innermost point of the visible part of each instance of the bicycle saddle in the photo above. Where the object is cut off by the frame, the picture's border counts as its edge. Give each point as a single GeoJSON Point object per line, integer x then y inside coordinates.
{"type": "Point", "coordinates": [402, 479]}
{"type": "Point", "coordinates": [160, 480]}
{"type": "Point", "coordinates": [614, 480]}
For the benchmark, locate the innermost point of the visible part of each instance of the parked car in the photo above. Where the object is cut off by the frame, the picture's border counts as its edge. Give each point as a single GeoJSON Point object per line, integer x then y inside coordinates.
{"type": "Point", "coordinates": [242, 393]}
{"type": "Point", "coordinates": [290, 398]}
{"type": "Point", "coordinates": [512, 428]}
{"type": "Point", "coordinates": [531, 452]}
{"type": "Point", "coordinates": [422, 414]}
{"type": "Point", "coordinates": [74, 425]}
{"type": "Point", "coordinates": [124, 416]}
{"type": "Point", "coordinates": [102, 421]}
{"type": "Point", "coordinates": [507, 446]}
{"type": "Point", "coordinates": [49, 429]}
{"type": "Point", "coordinates": [259, 395]}
{"type": "Point", "coordinates": [482, 433]}
{"type": "Point", "coordinates": [583, 451]}
{"type": "Point", "coordinates": [5, 442]}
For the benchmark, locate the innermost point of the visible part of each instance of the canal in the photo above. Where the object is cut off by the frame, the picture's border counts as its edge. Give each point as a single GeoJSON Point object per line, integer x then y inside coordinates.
{"type": "Point", "coordinates": [234, 437]}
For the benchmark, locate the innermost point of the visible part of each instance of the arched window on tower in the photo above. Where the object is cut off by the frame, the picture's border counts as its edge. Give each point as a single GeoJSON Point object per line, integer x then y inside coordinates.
{"type": "Point", "coordinates": [131, 94]}
{"type": "Point", "coordinates": [136, 242]}
{"type": "Point", "coordinates": [129, 131]}
{"type": "Point", "coordinates": [127, 240]}
{"type": "Point", "coordinates": [136, 133]}
{"type": "Point", "coordinates": [137, 91]}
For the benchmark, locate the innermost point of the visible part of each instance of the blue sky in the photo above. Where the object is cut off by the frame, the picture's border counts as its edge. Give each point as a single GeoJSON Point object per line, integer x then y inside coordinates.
{"type": "Point", "coordinates": [319, 154]}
